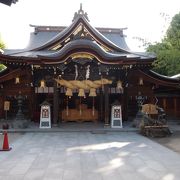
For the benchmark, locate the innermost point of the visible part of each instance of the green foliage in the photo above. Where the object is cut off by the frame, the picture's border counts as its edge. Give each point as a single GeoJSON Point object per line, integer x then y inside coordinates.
{"type": "Point", "coordinates": [168, 62]}
{"type": "Point", "coordinates": [168, 51]}
{"type": "Point", "coordinates": [2, 45]}
{"type": "Point", "coordinates": [2, 67]}
{"type": "Point", "coordinates": [173, 32]}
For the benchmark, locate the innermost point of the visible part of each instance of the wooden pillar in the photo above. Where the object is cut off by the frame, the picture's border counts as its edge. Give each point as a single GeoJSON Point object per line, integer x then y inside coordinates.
{"type": "Point", "coordinates": [101, 105]}
{"type": "Point", "coordinates": [106, 108]}
{"type": "Point", "coordinates": [164, 104]}
{"type": "Point", "coordinates": [60, 108]}
{"type": "Point", "coordinates": [175, 106]}
{"type": "Point", "coordinates": [55, 104]}
{"type": "Point", "coordinates": [125, 102]}
{"type": "Point", "coordinates": [1, 106]}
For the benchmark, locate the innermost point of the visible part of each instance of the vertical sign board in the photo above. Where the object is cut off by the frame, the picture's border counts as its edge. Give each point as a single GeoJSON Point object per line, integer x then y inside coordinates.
{"type": "Point", "coordinates": [6, 105]}
{"type": "Point", "coordinates": [45, 117]}
{"type": "Point", "coordinates": [116, 116]}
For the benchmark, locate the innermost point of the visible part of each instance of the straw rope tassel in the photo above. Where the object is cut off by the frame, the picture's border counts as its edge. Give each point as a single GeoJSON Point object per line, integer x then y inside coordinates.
{"type": "Point", "coordinates": [93, 107]}
{"type": "Point", "coordinates": [67, 108]}
{"type": "Point", "coordinates": [80, 110]}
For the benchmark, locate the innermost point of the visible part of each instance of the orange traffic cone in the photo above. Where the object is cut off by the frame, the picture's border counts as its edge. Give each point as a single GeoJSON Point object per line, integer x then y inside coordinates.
{"type": "Point", "coordinates": [5, 143]}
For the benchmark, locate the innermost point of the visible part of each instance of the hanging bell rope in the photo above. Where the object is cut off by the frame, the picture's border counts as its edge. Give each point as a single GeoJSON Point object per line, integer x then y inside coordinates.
{"type": "Point", "coordinates": [92, 94]}
{"type": "Point", "coordinates": [93, 109]}
{"type": "Point", "coordinates": [103, 81]}
{"type": "Point", "coordinates": [91, 84]}
{"type": "Point", "coordinates": [80, 110]}
{"type": "Point", "coordinates": [64, 83]}
{"type": "Point", "coordinates": [86, 84]}
{"type": "Point", "coordinates": [67, 107]}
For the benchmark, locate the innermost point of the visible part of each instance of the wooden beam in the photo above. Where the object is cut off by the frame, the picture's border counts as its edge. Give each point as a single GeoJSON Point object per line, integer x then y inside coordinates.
{"type": "Point", "coordinates": [12, 75]}
{"type": "Point", "coordinates": [164, 104]}
{"type": "Point", "coordinates": [101, 105]}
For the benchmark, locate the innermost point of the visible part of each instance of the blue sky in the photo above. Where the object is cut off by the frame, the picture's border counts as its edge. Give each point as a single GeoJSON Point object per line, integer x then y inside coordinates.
{"type": "Point", "coordinates": [142, 17]}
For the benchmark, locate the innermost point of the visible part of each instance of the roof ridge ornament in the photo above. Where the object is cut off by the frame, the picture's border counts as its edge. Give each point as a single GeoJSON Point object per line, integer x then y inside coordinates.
{"type": "Point", "coordinates": [80, 13]}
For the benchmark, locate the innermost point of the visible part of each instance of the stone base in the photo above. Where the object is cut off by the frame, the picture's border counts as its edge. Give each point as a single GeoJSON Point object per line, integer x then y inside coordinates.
{"type": "Point", "coordinates": [22, 124]}
{"type": "Point", "coordinates": [5, 124]}
{"type": "Point", "coordinates": [155, 131]}
{"type": "Point", "coordinates": [137, 121]}
{"type": "Point", "coordinates": [55, 125]}
{"type": "Point", "coordinates": [107, 126]}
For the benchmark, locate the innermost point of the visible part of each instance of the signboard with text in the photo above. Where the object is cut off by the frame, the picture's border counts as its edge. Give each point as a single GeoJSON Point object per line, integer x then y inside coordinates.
{"type": "Point", "coordinates": [116, 116]}
{"type": "Point", "coordinates": [6, 105]}
{"type": "Point", "coordinates": [45, 117]}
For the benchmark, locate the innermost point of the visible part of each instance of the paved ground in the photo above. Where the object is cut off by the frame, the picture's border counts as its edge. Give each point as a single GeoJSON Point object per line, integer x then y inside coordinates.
{"type": "Point", "coordinates": [171, 142]}
{"type": "Point", "coordinates": [87, 156]}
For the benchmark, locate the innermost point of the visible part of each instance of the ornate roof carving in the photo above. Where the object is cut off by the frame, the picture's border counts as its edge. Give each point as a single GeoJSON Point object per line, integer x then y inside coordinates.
{"type": "Point", "coordinates": [80, 13]}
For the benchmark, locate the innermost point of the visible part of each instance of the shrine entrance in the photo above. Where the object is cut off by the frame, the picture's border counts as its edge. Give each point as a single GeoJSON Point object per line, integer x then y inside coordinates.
{"type": "Point", "coordinates": [88, 108]}
{"type": "Point", "coordinates": [80, 109]}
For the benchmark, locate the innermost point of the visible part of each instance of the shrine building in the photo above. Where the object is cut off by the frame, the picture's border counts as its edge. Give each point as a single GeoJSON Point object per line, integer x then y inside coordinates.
{"type": "Point", "coordinates": [81, 71]}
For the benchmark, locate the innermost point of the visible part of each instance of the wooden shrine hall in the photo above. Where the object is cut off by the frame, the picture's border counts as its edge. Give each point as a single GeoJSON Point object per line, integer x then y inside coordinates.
{"type": "Point", "coordinates": [81, 71]}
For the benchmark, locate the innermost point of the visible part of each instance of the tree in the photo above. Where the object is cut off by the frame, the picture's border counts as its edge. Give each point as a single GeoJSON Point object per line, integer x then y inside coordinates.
{"type": "Point", "coordinates": [168, 50]}
{"type": "Point", "coordinates": [173, 32]}
{"type": "Point", "coordinates": [2, 45]}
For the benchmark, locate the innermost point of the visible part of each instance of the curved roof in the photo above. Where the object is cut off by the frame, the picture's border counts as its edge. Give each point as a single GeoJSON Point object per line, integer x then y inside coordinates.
{"type": "Point", "coordinates": [80, 36]}
{"type": "Point", "coordinates": [84, 45]}
{"type": "Point", "coordinates": [166, 78]}
{"type": "Point", "coordinates": [176, 76]}
{"type": "Point", "coordinates": [161, 79]}
{"type": "Point", "coordinates": [69, 30]}
{"type": "Point", "coordinates": [43, 34]}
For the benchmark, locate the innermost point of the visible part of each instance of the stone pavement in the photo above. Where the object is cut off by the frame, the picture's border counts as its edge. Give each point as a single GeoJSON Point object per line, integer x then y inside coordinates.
{"type": "Point", "coordinates": [87, 156]}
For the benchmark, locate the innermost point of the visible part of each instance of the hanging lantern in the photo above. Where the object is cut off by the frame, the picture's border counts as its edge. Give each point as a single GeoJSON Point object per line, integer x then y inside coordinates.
{"type": "Point", "coordinates": [119, 85]}
{"type": "Point", "coordinates": [92, 92]}
{"type": "Point", "coordinates": [17, 80]}
{"type": "Point", "coordinates": [81, 93]}
{"type": "Point", "coordinates": [69, 92]}
{"type": "Point", "coordinates": [141, 81]}
{"type": "Point", "coordinates": [42, 84]}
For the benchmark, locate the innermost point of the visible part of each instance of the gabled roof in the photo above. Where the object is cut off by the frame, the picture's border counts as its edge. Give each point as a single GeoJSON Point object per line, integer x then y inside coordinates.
{"type": "Point", "coordinates": [81, 37]}
{"type": "Point", "coordinates": [43, 34]}
{"type": "Point", "coordinates": [67, 32]}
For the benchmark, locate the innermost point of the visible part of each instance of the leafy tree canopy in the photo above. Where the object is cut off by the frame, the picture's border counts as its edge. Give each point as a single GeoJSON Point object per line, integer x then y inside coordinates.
{"type": "Point", "coordinates": [173, 32]}
{"type": "Point", "coordinates": [2, 45]}
{"type": "Point", "coordinates": [168, 50]}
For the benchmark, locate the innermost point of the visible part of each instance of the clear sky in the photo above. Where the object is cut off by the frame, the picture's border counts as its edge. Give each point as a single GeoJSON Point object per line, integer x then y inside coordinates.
{"type": "Point", "coordinates": [142, 17]}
